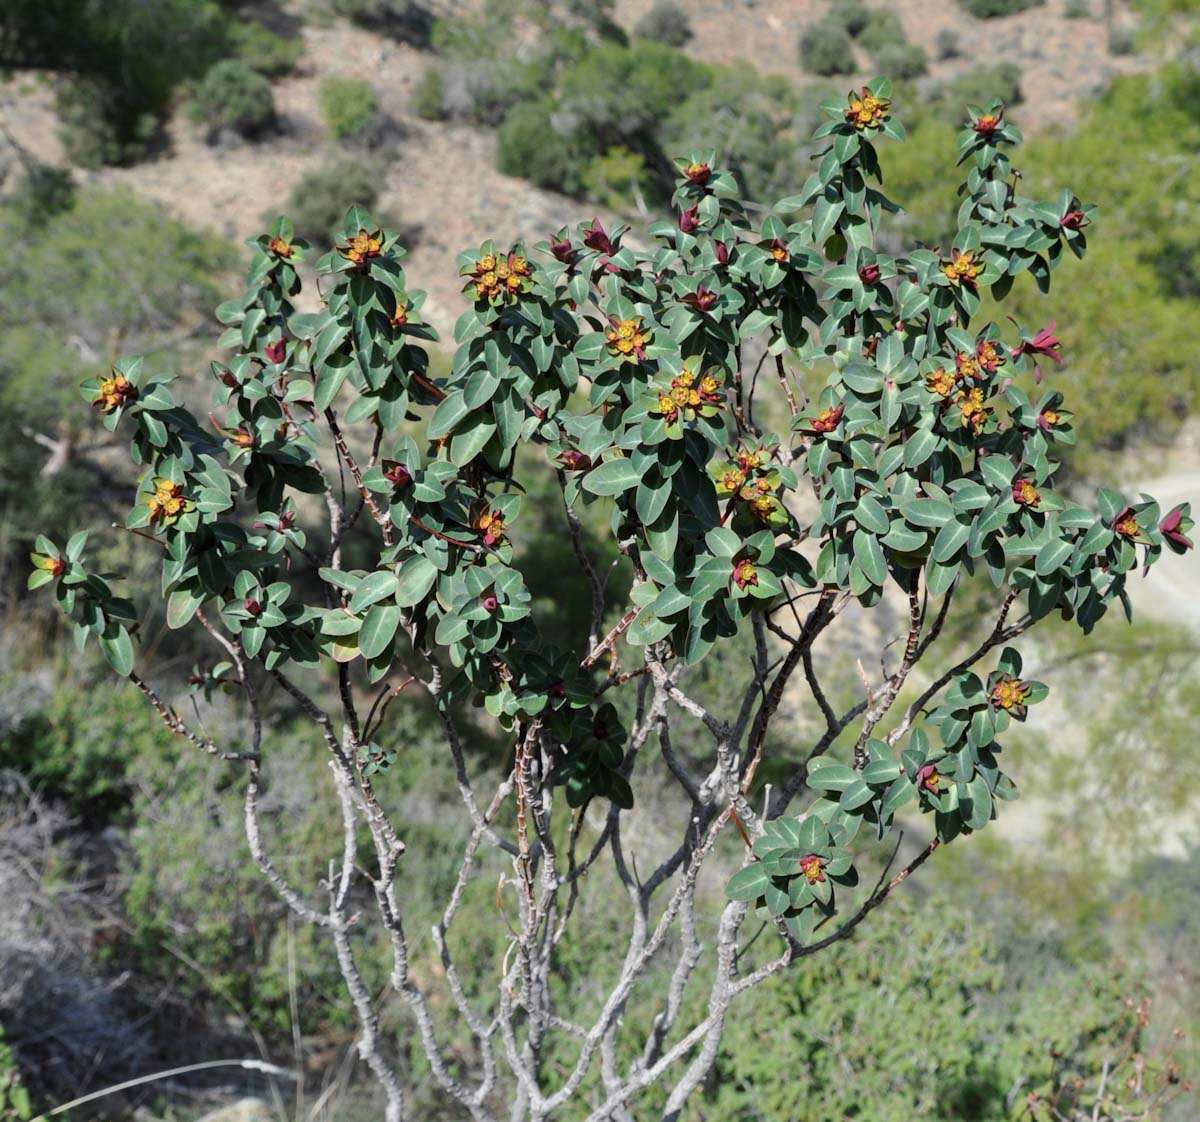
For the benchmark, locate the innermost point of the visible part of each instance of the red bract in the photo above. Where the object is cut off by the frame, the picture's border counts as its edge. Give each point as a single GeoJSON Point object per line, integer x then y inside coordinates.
{"type": "Point", "coordinates": [828, 419]}
{"type": "Point", "coordinates": [869, 274]}
{"type": "Point", "coordinates": [574, 460]}
{"type": "Point", "coordinates": [397, 475]}
{"type": "Point", "coordinates": [1173, 528]}
{"type": "Point", "coordinates": [698, 174]}
{"type": "Point", "coordinates": [275, 352]}
{"type": "Point", "coordinates": [1073, 220]}
{"type": "Point", "coordinates": [813, 867]}
{"type": "Point", "coordinates": [988, 124]}
{"type": "Point", "coordinates": [689, 220]}
{"type": "Point", "coordinates": [562, 249]}
{"type": "Point", "coordinates": [702, 299]}
{"type": "Point", "coordinates": [744, 573]}
{"type": "Point", "coordinates": [928, 778]}
{"type": "Point", "coordinates": [490, 603]}
{"type": "Point", "coordinates": [1025, 493]}
{"type": "Point", "coordinates": [254, 607]}
{"type": "Point", "coordinates": [1126, 523]}
{"type": "Point", "coordinates": [594, 237]}
{"type": "Point", "coordinates": [1044, 344]}
{"type": "Point", "coordinates": [722, 253]}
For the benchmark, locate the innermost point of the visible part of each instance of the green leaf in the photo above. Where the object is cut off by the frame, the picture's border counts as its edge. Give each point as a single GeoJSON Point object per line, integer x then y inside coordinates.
{"type": "Point", "coordinates": [869, 554]}
{"type": "Point", "coordinates": [373, 588]}
{"type": "Point", "coordinates": [1053, 555]}
{"type": "Point", "coordinates": [920, 446]}
{"type": "Point", "coordinates": [415, 580]}
{"type": "Point", "coordinates": [378, 629]}
{"type": "Point", "coordinates": [182, 604]}
{"type": "Point", "coordinates": [950, 539]}
{"type": "Point", "coordinates": [928, 512]}
{"type": "Point", "coordinates": [870, 515]}
{"type": "Point", "coordinates": [749, 883]}
{"type": "Point", "coordinates": [613, 477]}
{"type": "Point", "coordinates": [118, 649]}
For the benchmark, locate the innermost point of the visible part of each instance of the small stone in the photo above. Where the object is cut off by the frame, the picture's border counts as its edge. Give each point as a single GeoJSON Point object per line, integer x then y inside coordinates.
{"type": "Point", "coordinates": [245, 1110]}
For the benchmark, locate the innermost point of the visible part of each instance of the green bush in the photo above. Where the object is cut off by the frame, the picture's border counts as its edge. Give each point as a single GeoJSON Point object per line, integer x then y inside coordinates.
{"type": "Point", "coordinates": [92, 128]}
{"type": "Point", "coordinates": [348, 106]}
{"type": "Point", "coordinates": [882, 29]}
{"type": "Point", "coordinates": [826, 49]}
{"type": "Point", "coordinates": [321, 196]}
{"type": "Point", "coordinates": [990, 9]}
{"type": "Point", "coordinates": [233, 96]}
{"type": "Point", "coordinates": [527, 146]}
{"type": "Point", "coordinates": [850, 15]}
{"type": "Point", "coordinates": [263, 50]}
{"type": "Point", "coordinates": [1122, 41]}
{"type": "Point", "coordinates": [947, 44]}
{"type": "Point", "coordinates": [901, 60]}
{"type": "Point", "coordinates": [1078, 9]}
{"type": "Point", "coordinates": [15, 1105]}
{"type": "Point", "coordinates": [408, 20]}
{"type": "Point", "coordinates": [428, 97]}
{"type": "Point", "coordinates": [665, 22]}
{"type": "Point", "coordinates": [125, 59]}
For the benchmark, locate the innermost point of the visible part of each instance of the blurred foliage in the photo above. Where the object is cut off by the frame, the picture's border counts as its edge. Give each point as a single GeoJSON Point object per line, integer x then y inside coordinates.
{"type": "Point", "coordinates": [826, 49]}
{"type": "Point", "coordinates": [917, 1018]}
{"type": "Point", "coordinates": [264, 50]}
{"type": "Point", "coordinates": [121, 59]}
{"type": "Point", "coordinates": [990, 9]}
{"type": "Point", "coordinates": [322, 195]}
{"type": "Point", "coordinates": [14, 1099]}
{"type": "Point", "coordinates": [665, 22]}
{"type": "Point", "coordinates": [348, 105]}
{"type": "Point", "coordinates": [233, 96]}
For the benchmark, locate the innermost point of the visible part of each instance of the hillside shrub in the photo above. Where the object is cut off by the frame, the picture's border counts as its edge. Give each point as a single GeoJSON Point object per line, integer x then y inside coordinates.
{"type": "Point", "coordinates": [882, 29]}
{"type": "Point", "coordinates": [232, 97]}
{"type": "Point", "coordinates": [904, 61]}
{"type": "Point", "coordinates": [931, 454]}
{"type": "Point", "coordinates": [321, 196]}
{"type": "Point", "coordinates": [826, 49]}
{"type": "Point", "coordinates": [348, 106]}
{"type": "Point", "coordinates": [665, 22]}
{"type": "Point", "coordinates": [991, 9]}
{"type": "Point", "coordinates": [271, 54]}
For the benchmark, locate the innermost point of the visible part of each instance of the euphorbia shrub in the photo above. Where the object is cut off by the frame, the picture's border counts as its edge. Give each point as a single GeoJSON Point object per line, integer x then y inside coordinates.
{"type": "Point", "coordinates": [661, 383]}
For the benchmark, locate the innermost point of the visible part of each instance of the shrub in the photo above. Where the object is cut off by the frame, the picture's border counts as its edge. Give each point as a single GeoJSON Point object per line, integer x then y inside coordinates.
{"type": "Point", "coordinates": [233, 97]}
{"type": "Point", "coordinates": [616, 180]}
{"type": "Point", "coordinates": [320, 197]}
{"type": "Point", "coordinates": [348, 106]}
{"type": "Point", "coordinates": [407, 20]}
{"type": "Point", "coordinates": [92, 129]}
{"type": "Point", "coordinates": [883, 28]}
{"type": "Point", "coordinates": [528, 146]}
{"type": "Point", "coordinates": [665, 22]}
{"type": "Point", "coordinates": [125, 59]}
{"type": "Point", "coordinates": [990, 9]}
{"type": "Point", "coordinates": [1122, 40]}
{"type": "Point", "coordinates": [932, 452]}
{"type": "Point", "coordinates": [826, 49]}
{"type": "Point", "coordinates": [850, 15]}
{"type": "Point", "coordinates": [901, 60]}
{"type": "Point", "coordinates": [428, 97]}
{"type": "Point", "coordinates": [263, 50]}
{"type": "Point", "coordinates": [947, 44]}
